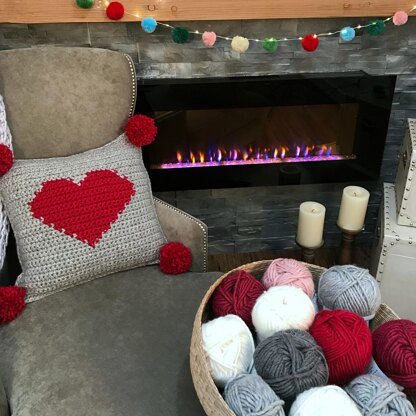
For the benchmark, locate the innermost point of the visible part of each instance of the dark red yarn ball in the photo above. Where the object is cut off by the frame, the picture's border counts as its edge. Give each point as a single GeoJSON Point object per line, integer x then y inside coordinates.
{"type": "Point", "coordinates": [115, 10]}
{"type": "Point", "coordinates": [6, 159]}
{"type": "Point", "coordinates": [310, 43]}
{"type": "Point", "coordinates": [395, 351]}
{"type": "Point", "coordinates": [175, 258]}
{"type": "Point", "coordinates": [345, 339]}
{"type": "Point", "coordinates": [12, 302]}
{"type": "Point", "coordinates": [140, 130]}
{"type": "Point", "coordinates": [237, 294]}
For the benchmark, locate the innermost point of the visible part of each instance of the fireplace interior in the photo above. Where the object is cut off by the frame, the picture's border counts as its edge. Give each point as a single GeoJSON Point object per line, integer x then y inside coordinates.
{"type": "Point", "coordinates": [263, 131]}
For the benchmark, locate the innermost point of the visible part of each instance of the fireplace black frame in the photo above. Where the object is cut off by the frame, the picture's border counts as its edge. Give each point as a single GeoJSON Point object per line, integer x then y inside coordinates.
{"type": "Point", "coordinates": [374, 94]}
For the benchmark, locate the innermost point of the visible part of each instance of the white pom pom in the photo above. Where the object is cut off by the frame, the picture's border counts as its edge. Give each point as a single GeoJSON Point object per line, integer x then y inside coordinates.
{"type": "Point", "coordinates": [240, 44]}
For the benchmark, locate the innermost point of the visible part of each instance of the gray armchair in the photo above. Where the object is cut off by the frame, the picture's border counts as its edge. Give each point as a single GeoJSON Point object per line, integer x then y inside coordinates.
{"type": "Point", "coordinates": [117, 345]}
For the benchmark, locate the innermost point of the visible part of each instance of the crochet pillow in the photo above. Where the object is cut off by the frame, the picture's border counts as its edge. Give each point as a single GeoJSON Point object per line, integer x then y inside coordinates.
{"type": "Point", "coordinates": [81, 217]}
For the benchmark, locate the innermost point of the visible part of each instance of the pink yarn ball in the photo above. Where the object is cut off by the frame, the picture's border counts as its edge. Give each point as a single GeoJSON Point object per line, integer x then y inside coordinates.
{"type": "Point", "coordinates": [209, 38]}
{"type": "Point", "coordinates": [289, 272]}
{"type": "Point", "coordinates": [400, 18]}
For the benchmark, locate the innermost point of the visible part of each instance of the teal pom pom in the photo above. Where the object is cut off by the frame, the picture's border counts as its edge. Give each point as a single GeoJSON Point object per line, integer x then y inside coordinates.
{"type": "Point", "coordinates": [180, 35]}
{"type": "Point", "coordinates": [149, 24]}
{"type": "Point", "coordinates": [376, 28]}
{"type": "Point", "coordinates": [269, 44]}
{"type": "Point", "coordinates": [85, 4]}
{"type": "Point", "coordinates": [347, 34]}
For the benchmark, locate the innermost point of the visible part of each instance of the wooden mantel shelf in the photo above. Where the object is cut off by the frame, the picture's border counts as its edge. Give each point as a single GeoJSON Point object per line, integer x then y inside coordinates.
{"type": "Point", "coordinates": [46, 11]}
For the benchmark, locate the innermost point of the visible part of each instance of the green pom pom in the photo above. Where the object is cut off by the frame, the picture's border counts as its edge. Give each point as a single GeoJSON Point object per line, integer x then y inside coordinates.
{"type": "Point", "coordinates": [376, 28]}
{"type": "Point", "coordinates": [269, 44]}
{"type": "Point", "coordinates": [180, 35]}
{"type": "Point", "coordinates": [85, 4]}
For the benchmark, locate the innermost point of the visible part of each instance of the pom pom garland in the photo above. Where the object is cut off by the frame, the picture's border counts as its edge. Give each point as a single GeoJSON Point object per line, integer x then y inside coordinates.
{"type": "Point", "coordinates": [140, 130]}
{"type": "Point", "coordinates": [115, 10]}
{"type": "Point", "coordinates": [6, 159]}
{"type": "Point", "coordinates": [310, 43]}
{"type": "Point", "coordinates": [376, 28]}
{"type": "Point", "coordinates": [209, 38]}
{"type": "Point", "coordinates": [12, 302]}
{"type": "Point", "coordinates": [249, 395]}
{"type": "Point", "coordinates": [85, 4]}
{"type": "Point", "coordinates": [395, 351]}
{"type": "Point", "coordinates": [347, 34]}
{"type": "Point", "coordinates": [346, 341]}
{"type": "Point", "coordinates": [270, 44]}
{"type": "Point", "coordinates": [149, 24]}
{"type": "Point", "coordinates": [400, 18]}
{"type": "Point", "coordinates": [237, 294]}
{"type": "Point", "coordinates": [180, 35]}
{"type": "Point", "coordinates": [175, 258]}
{"type": "Point", "coordinates": [240, 44]}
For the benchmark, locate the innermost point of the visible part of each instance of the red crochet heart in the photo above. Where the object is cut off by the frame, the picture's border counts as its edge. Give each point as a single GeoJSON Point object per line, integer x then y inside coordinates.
{"type": "Point", "coordinates": [85, 210]}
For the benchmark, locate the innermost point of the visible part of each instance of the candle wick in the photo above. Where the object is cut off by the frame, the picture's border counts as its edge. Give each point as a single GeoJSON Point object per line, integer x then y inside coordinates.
{"type": "Point", "coordinates": [355, 193]}
{"type": "Point", "coordinates": [313, 209]}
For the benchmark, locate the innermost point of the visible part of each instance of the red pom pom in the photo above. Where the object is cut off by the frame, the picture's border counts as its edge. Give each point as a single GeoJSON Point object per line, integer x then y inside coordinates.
{"type": "Point", "coordinates": [6, 159]}
{"type": "Point", "coordinates": [175, 258]}
{"type": "Point", "coordinates": [140, 130]}
{"type": "Point", "coordinates": [115, 10]}
{"type": "Point", "coordinates": [310, 43]}
{"type": "Point", "coordinates": [237, 294]}
{"type": "Point", "coordinates": [12, 302]}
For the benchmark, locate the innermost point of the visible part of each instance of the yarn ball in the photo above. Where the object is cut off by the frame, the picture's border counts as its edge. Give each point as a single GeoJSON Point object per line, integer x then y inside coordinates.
{"type": "Point", "coordinates": [85, 4]}
{"type": "Point", "coordinates": [115, 10]}
{"type": "Point", "coordinates": [377, 396]}
{"type": "Point", "coordinates": [290, 362]}
{"type": "Point", "coordinates": [395, 351]}
{"type": "Point", "coordinates": [149, 24]}
{"type": "Point", "coordinates": [140, 130]}
{"type": "Point", "coordinates": [400, 18]}
{"type": "Point", "coordinates": [209, 38]}
{"type": "Point", "coordinates": [175, 258]}
{"type": "Point", "coordinates": [270, 44]}
{"type": "Point", "coordinates": [12, 302]}
{"type": "Point", "coordinates": [289, 272]}
{"type": "Point", "coordinates": [250, 395]}
{"type": "Point", "coordinates": [240, 44]}
{"type": "Point", "coordinates": [180, 35]}
{"type": "Point", "coordinates": [351, 288]}
{"type": "Point", "coordinates": [6, 159]}
{"type": "Point", "coordinates": [310, 43]}
{"type": "Point", "coordinates": [280, 308]}
{"type": "Point", "coordinates": [229, 345]}
{"type": "Point", "coordinates": [347, 34]}
{"type": "Point", "coordinates": [376, 28]}
{"type": "Point", "coordinates": [324, 401]}
{"type": "Point", "coordinates": [237, 294]}
{"type": "Point", "coordinates": [346, 341]}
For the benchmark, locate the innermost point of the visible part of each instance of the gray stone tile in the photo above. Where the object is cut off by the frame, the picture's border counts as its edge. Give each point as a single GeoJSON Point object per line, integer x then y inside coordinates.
{"type": "Point", "coordinates": [70, 34]}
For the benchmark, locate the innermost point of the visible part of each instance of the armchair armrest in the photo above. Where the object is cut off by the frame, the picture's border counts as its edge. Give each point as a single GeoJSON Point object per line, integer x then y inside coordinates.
{"type": "Point", "coordinates": [177, 225]}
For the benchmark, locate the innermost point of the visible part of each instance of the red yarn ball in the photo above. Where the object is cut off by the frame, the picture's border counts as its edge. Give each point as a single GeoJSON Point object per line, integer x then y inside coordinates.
{"type": "Point", "coordinates": [346, 342]}
{"type": "Point", "coordinates": [115, 10]}
{"type": "Point", "coordinates": [6, 159]}
{"type": "Point", "coordinates": [310, 43]}
{"type": "Point", "coordinates": [140, 130]}
{"type": "Point", "coordinates": [12, 302]}
{"type": "Point", "coordinates": [237, 294]}
{"type": "Point", "coordinates": [395, 351]}
{"type": "Point", "coordinates": [175, 258]}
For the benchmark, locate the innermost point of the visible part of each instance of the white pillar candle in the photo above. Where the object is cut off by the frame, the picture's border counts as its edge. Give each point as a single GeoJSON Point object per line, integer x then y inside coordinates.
{"type": "Point", "coordinates": [353, 208]}
{"type": "Point", "coordinates": [310, 224]}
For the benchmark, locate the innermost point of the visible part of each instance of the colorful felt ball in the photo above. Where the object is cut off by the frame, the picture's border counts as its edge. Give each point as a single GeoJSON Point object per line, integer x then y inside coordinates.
{"type": "Point", "coordinates": [115, 10]}
{"type": "Point", "coordinates": [140, 130]}
{"type": "Point", "coordinates": [180, 35]}
{"type": "Point", "coordinates": [240, 44]}
{"type": "Point", "coordinates": [85, 4]}
{"type": "Point", "coordinates": [270, 44]}
{"type": "Point", "coordinates": [149, 24]}
{"type": "Point", "coordinates": [395, 351]}
{"type": "Point", "coordinates": [209, 38]}
{"type": "Point", "coordinates": [400, 18]}
{"type": "Point", "coordinates": [6, 159]}
{"type": "Point", "coordinates": [376, 28]}
{"type": "Point", "coordinates": [175, 258]}
{"type": "Point", "coordinates": [310, 43]}
{"type": "Point", "coordinates": [12, 302]}
{"type": "Point", "coordinates": [346, 341]}
{"type": "Point", "coordinates": [347, 34]}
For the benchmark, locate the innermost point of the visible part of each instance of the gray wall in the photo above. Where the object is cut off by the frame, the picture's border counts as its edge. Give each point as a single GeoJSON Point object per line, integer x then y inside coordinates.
{"type": "Point", "coordinates": [257, 218]}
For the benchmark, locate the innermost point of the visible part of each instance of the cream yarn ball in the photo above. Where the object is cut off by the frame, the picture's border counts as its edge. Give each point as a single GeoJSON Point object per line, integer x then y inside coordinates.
{"type": "Point", "coordinates": [229, 345]}
{"type": "Point", "coordinates": [280, 308]}
{"type": "Point", "coordinates": [324, 401]}
{"type": "Point", "coordinates": [240, 44]}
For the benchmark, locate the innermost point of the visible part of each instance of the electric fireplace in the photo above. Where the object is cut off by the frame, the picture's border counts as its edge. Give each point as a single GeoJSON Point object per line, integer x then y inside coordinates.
{"type": "Point", "coordinates": [218, 133]}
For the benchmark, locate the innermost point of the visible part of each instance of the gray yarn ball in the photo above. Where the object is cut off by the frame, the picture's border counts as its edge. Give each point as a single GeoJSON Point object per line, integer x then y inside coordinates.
{"type": "Point", "coordinates": [377, 396]}
{"type": "Point", "coordinates": [350, 288]}
{"type": "Point", "coordinates": [250, 395]}
{"type": "Point", "coordinates": [291, 362]}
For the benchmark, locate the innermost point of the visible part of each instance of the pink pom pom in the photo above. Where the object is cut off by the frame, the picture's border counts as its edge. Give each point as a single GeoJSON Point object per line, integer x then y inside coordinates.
{"type": "Point", "coordinates": [209, 38]}
{"type": "Point", "coordinates": [400, 18]}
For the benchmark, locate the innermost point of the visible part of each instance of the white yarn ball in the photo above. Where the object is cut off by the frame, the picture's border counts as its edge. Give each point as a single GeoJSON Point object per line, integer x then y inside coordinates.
{"type": "Point", "coordinates": [240, 44]}
{"type": "Point", "coordinates": [280, 308]}
{"type": "Point", "coordinates": [230, 348]}
{"type": "Point", "coordinates": [324, 401]}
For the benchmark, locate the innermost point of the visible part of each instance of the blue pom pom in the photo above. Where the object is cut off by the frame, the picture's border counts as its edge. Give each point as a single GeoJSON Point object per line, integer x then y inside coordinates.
{"type": "Point", "coordinates": [149, 24]}
{"type": "Point", "coordinates": [347, 34]}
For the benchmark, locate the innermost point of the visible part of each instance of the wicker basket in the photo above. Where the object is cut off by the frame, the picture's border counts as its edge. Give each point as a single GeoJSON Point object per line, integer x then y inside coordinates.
{"type": "Point", "coordinates": [208, 393]}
